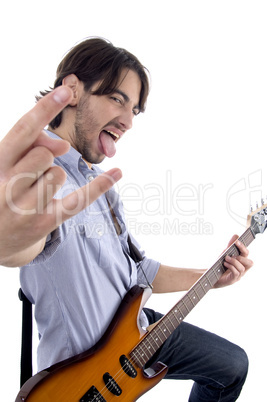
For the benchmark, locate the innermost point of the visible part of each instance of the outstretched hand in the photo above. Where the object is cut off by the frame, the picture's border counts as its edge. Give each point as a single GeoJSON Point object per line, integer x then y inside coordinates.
{"type": "Point", "coordinates": [28, 181]}
{"type": "Point", "coordinates": [236, 266]}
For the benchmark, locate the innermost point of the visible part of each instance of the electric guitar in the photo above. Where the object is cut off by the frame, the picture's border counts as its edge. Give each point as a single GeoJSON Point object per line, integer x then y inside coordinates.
{"type": "Point", "coordinates": [113, 370]}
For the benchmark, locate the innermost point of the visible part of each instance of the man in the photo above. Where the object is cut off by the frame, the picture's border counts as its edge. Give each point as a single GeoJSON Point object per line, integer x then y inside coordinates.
{"type": "Point", "coordinates": [84, 267]}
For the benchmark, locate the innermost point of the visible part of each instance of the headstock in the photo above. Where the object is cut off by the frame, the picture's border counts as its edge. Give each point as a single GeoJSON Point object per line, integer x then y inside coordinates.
{"type": "Point", "coordinates": [257, 219]}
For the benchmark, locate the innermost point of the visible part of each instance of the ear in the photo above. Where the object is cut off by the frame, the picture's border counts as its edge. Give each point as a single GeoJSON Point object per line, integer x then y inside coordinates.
{"type": "Point", "coordinates": [73, 82]}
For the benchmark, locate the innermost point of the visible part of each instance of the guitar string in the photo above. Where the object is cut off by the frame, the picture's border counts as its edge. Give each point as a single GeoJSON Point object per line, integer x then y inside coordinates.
{"type": "Point", "coordinates": [106, 387]}
{"type": "Point", "coordinates": [134, 360]}
{"type": "Point", "coordinates": [120, 373]}
{"type": "Point", "coordinates": [116, 377]}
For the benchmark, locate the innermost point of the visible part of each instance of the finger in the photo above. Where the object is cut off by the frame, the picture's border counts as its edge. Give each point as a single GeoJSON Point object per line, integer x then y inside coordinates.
{"type": "Point", "coordinates": [57, 211]}
{"type": "Point", "coordinates": [84, 196]}
{"type": "Point", "coordinates": [234, 265]}
{"type": "Point", "coordinates": [56, 146]}
{"type": "Point", "coordinates": [43, 191]}
{"type": "Point", "coordinates": [34, 201]}
{"type": "Point", "coordinates": [29, 127]}
{"type": "Point", "coordinates": [233, 239]}
{"type": "Point", "coordinates": [242, 248]}
{"type": "Point", "coordinates": [27, 171]}
{"type": "Point", "coordinates": [246, 262]}
{"type": "Point", "coordinates": [232, 275]}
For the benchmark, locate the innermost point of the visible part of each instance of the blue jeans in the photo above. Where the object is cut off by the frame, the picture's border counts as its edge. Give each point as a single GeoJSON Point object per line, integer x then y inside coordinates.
{"type": "Point", "coordinates": [217, 366]}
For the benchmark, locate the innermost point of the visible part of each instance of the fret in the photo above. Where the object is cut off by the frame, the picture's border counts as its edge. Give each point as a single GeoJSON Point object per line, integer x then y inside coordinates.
{"type": "Point", "coordinates": [163, 331]}
{"type": "Point", "coordinates": [215, 274]}
{"type": "Point", "coordinates": [165, 326]}
{"type": "Point", "coordinates": [160, 335]}
{"type": "Point", "coordinates": [210, 281]}
{"type": "Point", "coordinates": [199, 290]}
{"type": "Point", "coordinates": [150, 344]}
{"type": "Point", "coordinates": [172, 324]}
{"type": "Point", "coordinates": [247, 237]}
{"type": "Point", "coordinates": [204, 286]}
{"type": "Point", "coordinates": [192, 299]}
{"type": "Point", "coordinates": [246, 241]}
{"type": "Point", "coordinates": [185, 304]}
{"type": "Point", "coordinates": [195, 297]}
{"type": "Point", "coordinates": [156, 339]}
{"type": "Point", "coordinates": [137, 357]}
{"type": "Point", "coordinates": [143, 353]}
{"type": "Point", "coordinates": [180, 315]}
{"type": "Point", "coordinates": [216, 271]}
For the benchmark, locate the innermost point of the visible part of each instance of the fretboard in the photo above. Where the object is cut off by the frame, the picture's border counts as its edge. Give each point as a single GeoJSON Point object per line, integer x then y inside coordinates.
{"type": "Point", "coordinates": [154, 339]}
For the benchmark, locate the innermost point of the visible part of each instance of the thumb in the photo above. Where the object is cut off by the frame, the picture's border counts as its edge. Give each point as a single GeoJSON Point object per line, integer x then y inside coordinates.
{"type": "Point", "coordinates": [86, 195]}
{"type": "Point", "coordinates": [233, 239]}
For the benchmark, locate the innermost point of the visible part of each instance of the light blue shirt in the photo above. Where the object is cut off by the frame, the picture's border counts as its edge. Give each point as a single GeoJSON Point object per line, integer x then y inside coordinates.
{"type": "Point", "coordinates": [77, 283]}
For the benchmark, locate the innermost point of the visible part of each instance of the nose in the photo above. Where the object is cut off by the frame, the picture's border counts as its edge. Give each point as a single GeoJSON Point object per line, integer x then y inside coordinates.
{"type": "Point", "coordinates": [126, 118]}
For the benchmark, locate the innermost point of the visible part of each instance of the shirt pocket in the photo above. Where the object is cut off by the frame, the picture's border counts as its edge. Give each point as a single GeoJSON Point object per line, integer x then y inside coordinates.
{"type": "Point", "coordinates": [101, 233]}
{"type": "Point", "coordinates": [93, 231]}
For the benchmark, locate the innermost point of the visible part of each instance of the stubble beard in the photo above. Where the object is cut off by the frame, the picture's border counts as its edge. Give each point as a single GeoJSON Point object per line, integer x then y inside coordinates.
{"type": "Point", "coordinates": [85, 124]}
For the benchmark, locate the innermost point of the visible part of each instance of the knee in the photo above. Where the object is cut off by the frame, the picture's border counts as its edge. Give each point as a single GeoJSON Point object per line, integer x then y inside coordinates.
{"type": "Point", "coordinates": [239, 365]}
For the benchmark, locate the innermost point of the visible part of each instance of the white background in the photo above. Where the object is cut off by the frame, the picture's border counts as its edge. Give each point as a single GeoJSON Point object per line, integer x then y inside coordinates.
{"type": "Point", "coordinates": [204, 128]}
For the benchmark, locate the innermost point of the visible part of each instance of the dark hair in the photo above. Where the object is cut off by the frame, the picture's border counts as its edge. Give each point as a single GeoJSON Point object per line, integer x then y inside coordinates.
{"type": "Point", "coordinates": [96, 59]}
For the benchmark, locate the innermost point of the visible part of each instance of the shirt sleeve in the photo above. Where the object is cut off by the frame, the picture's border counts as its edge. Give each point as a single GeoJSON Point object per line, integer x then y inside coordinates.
{"type": "Point", "coordinates": [147, 271]}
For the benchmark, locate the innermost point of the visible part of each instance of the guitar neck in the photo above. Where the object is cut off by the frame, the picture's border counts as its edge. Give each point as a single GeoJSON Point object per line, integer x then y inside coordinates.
{"type": "Point", "coordinates": [153, 340]}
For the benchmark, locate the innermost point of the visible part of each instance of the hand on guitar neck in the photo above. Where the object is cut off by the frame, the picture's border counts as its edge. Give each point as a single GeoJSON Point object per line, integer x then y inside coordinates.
{"type": "Point", "coordinates": [236, 266]}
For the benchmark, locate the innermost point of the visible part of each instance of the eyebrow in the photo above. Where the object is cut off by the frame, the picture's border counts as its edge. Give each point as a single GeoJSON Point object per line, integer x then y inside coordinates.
{"type": "Point", "coordinates": [126, 98]}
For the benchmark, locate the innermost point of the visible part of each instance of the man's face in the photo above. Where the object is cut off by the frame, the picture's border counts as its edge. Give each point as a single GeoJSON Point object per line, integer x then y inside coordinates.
{"type": "Point", "coordinates": [102, 120]}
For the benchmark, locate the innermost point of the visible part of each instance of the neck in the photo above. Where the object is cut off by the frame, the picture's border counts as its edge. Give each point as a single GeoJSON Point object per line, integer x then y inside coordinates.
{"type": "Point", "coordinates": [58, 132]}
{"type": "Point", "coordinates": [88, 164]}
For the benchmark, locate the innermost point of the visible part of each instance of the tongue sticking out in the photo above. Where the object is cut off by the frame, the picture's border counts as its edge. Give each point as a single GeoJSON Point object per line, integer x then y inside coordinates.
{"type": "Point", "coordinates": [108, 144]}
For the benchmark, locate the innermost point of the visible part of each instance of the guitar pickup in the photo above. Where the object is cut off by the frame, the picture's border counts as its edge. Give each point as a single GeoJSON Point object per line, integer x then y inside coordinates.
{"type": "Point", "coordinates": [111, 384]}
{"type": "Point", "coordinates": [127, 367]}
{"type": "Point", "coordinates": [92, 395]}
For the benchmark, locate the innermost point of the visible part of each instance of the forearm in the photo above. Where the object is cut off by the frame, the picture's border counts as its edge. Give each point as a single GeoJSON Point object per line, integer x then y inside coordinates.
{"type": "Point", "coordinates": [171, 279]}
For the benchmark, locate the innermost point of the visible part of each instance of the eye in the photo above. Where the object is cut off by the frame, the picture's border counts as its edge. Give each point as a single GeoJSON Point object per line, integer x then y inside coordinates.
{"type": "Point", "coordinates": [136, 111]}
{"type": "Point", "coordinates": [116, 99]}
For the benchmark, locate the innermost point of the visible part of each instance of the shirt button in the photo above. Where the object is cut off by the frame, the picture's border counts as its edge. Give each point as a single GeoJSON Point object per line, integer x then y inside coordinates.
{"type": "Point", "coordinates": [90, 178]}
{"type": "Point", "coordinates": [99, 232]}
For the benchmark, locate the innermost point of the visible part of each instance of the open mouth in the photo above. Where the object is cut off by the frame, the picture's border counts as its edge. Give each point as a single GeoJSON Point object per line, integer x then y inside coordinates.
{"type": "Point", "coordinates": [107, 141]}
{"type": "Point", "coordinates": [113, 135]}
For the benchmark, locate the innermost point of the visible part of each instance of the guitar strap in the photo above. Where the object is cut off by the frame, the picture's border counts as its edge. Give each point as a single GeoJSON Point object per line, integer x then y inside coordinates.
{"type": "Point", "coordinates": [137, 257]}
{"type": "Point", "coordinates": [26, 337]}
{"type": "Point", "coordinates": [133, 251]}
